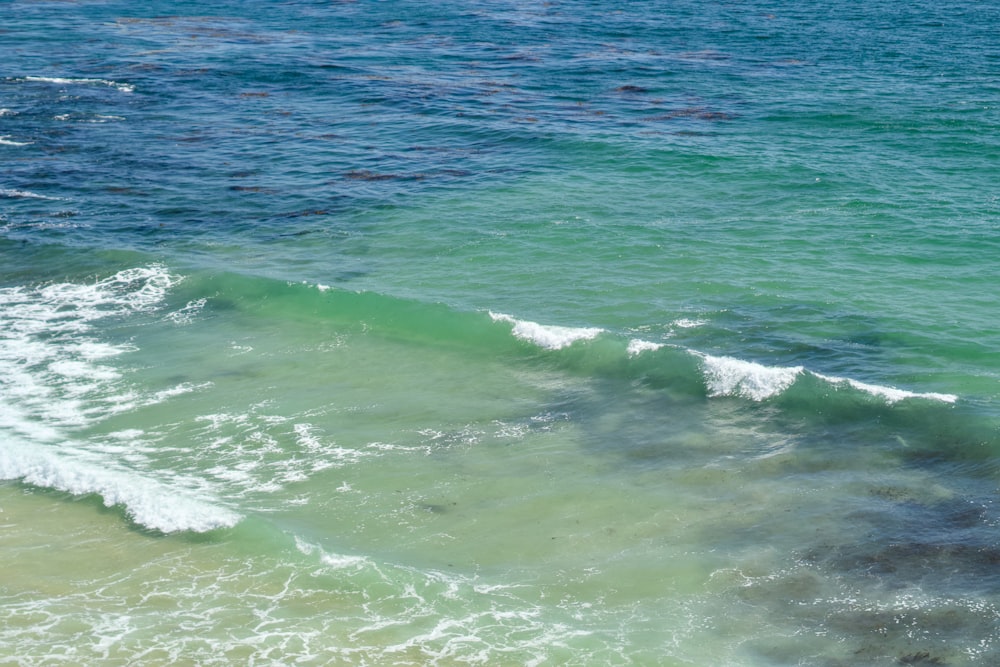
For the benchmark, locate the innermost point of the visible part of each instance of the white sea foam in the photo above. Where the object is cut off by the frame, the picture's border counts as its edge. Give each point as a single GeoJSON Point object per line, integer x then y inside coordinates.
{"type": "Point", "coordinates": [254, 453]}
{"type": "Point", "coordinates": [336, 561]}
{"type": "Point", "coordinates": [176, 390]}
{"type": "Point", "coordinates": [546, 336]}
{"type": "Point", "coordinates": [5, 140]}
{"type": "Point", "coordinates": [392, 447]}
{"type": "Point", "coordinates": [188, 313]}
{"type": "Point", "coordinates": [307, 439]}
{"type": "Point", "coordinates": [727, 376]}
{"type": "Point", "coordinates": [7, 112]}
{"type": "Point", "coordinates": [146, 501]}
{"type": "Point", "coordinates": [52, 370]}
{"type": "Point", "coordinates": [124, 87]}
{"type": "Point", "coordinates": [87, 118]}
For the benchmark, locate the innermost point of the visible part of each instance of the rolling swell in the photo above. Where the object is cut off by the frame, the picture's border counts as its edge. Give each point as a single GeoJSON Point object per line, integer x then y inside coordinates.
{"type": "Point", "coordinates": [925, 424]}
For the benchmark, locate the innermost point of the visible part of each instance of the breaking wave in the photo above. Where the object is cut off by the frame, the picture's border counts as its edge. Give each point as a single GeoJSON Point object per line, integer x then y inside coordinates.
{"type": "Point", "coordinates": [55, 378]}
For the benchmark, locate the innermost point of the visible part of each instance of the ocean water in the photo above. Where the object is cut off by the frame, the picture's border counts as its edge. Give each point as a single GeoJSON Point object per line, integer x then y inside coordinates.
{"type": "Point", "coordinates": [499, 333]}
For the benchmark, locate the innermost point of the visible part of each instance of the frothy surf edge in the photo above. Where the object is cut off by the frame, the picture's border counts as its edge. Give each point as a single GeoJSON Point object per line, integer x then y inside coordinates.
{"type": "Point", "coordinates": [146, 501]}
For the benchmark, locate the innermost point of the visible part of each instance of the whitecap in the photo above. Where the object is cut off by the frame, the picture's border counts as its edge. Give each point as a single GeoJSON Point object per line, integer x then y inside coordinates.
{"type": "Point", "coordinates": [724, 376]}
{"type": "Point", "coordinates": [5, 140]}
{"type": "Point", "coordinates": [24, 194]}
{"type": "Point", "coordinates": [727, 376]}
{"type": "Point", "coordinates": [547, 336]}
{"type": "Point", "coordinates": [188, 313]}
{"type": "Point", "coordinates": [124, 87]}
{"type": "Point", "coordinates": [637, 346]}
{"type": "Point", "coordinates": [687, 323]}
{"type": "Point", "coordinates": [86, 118]}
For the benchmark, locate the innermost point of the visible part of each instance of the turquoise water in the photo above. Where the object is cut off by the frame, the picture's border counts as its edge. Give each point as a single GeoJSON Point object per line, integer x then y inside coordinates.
{"type": "Point", "coordinates": [499, 333]}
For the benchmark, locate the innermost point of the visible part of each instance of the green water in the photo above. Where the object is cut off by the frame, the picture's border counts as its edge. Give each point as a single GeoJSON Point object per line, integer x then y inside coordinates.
{"type": "Point", "coordinates": [417, 484]}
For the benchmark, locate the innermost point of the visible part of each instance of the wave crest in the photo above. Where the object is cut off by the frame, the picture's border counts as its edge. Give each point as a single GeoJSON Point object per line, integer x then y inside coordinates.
{"type": "Point", "coordinates": [727, 376]}
{"type": "Point", "coordinates": [549, 337]}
